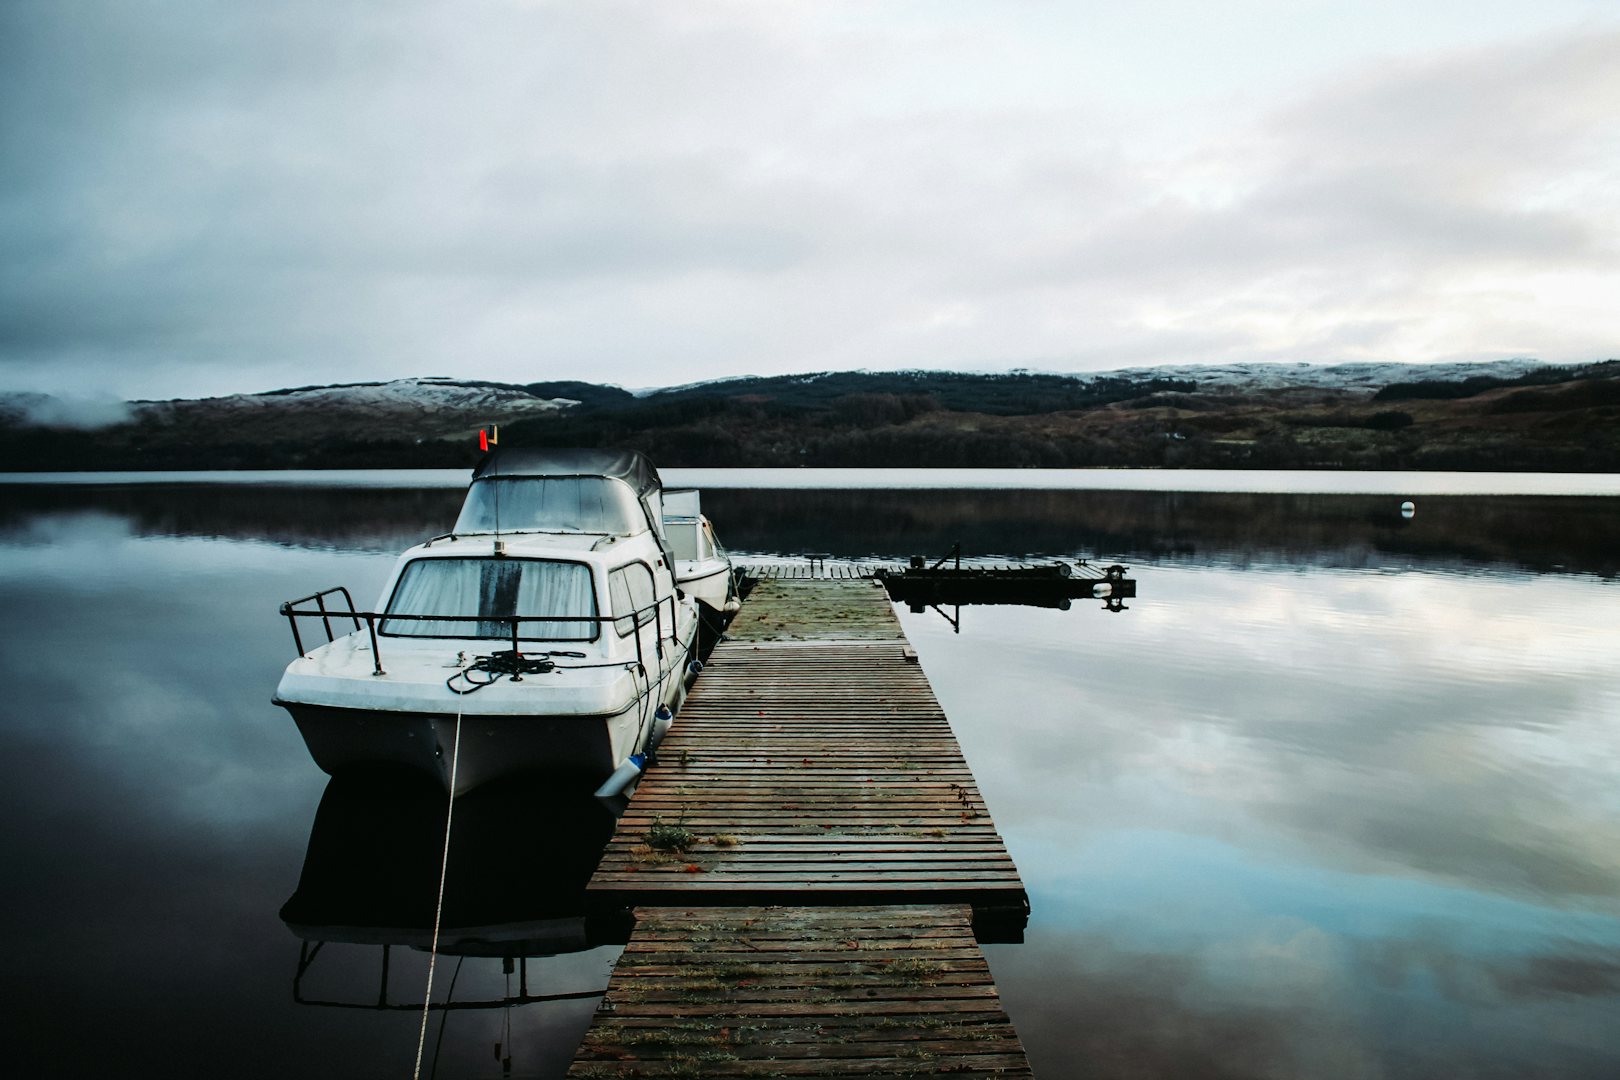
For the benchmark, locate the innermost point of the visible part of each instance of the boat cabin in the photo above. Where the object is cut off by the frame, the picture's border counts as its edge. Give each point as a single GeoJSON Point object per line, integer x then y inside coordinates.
{"type": "Point", "coordinates": [606, 492]}
{"type": "Point", "coordinates": [691, 538]}
{"type": "Point", "coordinates": [550, 545]}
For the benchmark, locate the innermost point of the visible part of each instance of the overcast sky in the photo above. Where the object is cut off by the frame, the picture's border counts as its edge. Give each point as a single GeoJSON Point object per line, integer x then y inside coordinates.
{"type": "Point", "coordinates": [203, 197]}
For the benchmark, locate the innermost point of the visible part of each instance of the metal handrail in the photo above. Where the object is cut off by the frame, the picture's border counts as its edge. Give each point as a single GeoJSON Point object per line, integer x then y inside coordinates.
{"type": "Point", "coordinates": [371, 618]}
{"type": "Point", "coordinates": [288, 609]}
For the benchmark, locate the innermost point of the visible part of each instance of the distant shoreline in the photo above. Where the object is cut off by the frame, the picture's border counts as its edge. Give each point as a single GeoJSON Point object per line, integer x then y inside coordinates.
{"type": "Point", "coordinates": [1546, 419]}
{"type": "Point", "coordinates": [1253, 481]}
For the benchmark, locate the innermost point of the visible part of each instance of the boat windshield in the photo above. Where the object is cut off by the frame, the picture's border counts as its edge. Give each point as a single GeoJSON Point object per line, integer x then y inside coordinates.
{"type": "Point", "coordinates": [589, 504]}
{"type": "Point", "coordinates": [554, 600]}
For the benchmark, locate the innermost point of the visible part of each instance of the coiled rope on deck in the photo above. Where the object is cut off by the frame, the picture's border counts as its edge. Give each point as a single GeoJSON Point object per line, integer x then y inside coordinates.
{"type": "Point", "coordinates": [506, 664]}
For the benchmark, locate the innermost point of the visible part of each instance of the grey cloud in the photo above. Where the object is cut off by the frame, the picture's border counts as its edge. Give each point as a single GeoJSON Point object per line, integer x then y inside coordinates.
{"type": "Point", "coordinates": [265, 189]}
{"type": "Point", "coordinates": [190, 193]}
{"type": "Point", "coordinates": [1368, 201]}
{"type": "Point", "coordinates": [1444, 154]}
{"type": "Point", "coordinates": [1474, 118]}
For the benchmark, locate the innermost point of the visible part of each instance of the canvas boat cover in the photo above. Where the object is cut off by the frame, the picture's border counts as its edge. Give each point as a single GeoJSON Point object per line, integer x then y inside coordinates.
{"type": "Point", "coordinates": [626, 465]}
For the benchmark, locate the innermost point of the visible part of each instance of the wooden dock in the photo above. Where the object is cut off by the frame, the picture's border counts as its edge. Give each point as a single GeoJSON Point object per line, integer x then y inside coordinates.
{"type": "Point", "coordinates": [812, 788]}
{"type": "Point", "coordinates": [889, 991]}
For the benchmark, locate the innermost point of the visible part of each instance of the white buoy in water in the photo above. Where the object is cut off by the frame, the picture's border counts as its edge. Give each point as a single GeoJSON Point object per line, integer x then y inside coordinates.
{"type": "Point", "coordinates": [1408, 509]}
{"type": "Point", "coordinates": [1102, 590]}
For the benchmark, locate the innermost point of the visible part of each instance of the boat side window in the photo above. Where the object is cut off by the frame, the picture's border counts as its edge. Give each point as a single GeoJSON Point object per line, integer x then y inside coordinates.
{"type": "Point", "coordinates": [554, 600]}
{"type": "Point", "coordinates": [630, 591]}
{"type": "Point", "coordinates": [683, 540]}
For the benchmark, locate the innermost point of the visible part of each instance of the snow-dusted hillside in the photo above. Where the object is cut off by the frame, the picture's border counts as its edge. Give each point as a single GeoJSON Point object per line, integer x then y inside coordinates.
{"type": "Point", "coordinates": [396, 397]}
{"type": "Point", "coordinates": [432, 407]}
{"type": "Point", "coordinates": [1239, 377]}
{"type": "Point", "coordinates": [1245, 416]}
{"type": "Point", "coordinates": [1353, 376]}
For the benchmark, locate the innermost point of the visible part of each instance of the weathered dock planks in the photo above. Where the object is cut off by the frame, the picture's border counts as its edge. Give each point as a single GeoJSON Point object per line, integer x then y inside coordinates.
{"type": "Point", "coordinates": [801, 991]}
{"type": "Point", "coordinates": [820, 768]}
{"type": "Point", "coordinates": [814, 567]}
{"type": "Point", "coordinates": [818, 609]}
{"type": "Point", "coordinates": [811, 866]}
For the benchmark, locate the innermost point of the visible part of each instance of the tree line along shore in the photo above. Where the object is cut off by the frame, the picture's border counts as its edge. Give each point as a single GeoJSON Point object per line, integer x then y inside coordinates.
{"type": "Point", "coordinates": [1549, 419]}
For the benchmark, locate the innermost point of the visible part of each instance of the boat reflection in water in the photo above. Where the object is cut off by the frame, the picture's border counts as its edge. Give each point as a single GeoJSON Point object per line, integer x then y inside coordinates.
{"type": "Point", "coordinates": [519, 858]}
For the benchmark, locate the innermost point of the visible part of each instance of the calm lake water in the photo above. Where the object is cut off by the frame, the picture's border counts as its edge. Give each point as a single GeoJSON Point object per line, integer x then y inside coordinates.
{"type": "Point", "coordinates": [1337, 796]}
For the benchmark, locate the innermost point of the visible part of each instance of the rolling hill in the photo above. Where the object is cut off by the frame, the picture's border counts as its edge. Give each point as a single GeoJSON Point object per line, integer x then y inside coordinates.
{"type": "Point", "coordinates": [1517, 414]}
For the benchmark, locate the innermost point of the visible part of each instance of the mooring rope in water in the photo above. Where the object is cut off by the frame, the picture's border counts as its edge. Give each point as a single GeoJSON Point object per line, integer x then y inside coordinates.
{"type": "Point", "coordinates": [438, 909]}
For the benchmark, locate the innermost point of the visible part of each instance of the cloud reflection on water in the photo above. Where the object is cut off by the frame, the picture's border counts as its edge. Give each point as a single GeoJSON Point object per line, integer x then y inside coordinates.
{"type": "Point", "coordinates": [1282, 818]}
{"type": "Point", "coordinates": [1437, 737]}
{"type": "Point", "coordinates": [1286, 823]}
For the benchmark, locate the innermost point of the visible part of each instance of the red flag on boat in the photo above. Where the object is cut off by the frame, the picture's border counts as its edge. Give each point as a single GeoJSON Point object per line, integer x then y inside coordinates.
{"type": "Point", "coordinates": [488, 437]}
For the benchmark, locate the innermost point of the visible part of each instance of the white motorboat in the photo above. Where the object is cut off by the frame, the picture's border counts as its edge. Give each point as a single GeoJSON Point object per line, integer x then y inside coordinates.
{"type": "Point", "coordinates": [546, 632]}
{"type": "Point", "coordinates": [702, 567]}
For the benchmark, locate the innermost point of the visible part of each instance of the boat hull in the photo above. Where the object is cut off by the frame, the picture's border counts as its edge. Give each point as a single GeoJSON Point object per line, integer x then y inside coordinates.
{"type": "Point", "coordinates": [711, 584]}
{"type": "Point", "coordinates": [574, 723]}
{"type": "Point", "coordinates": [345, 740]}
